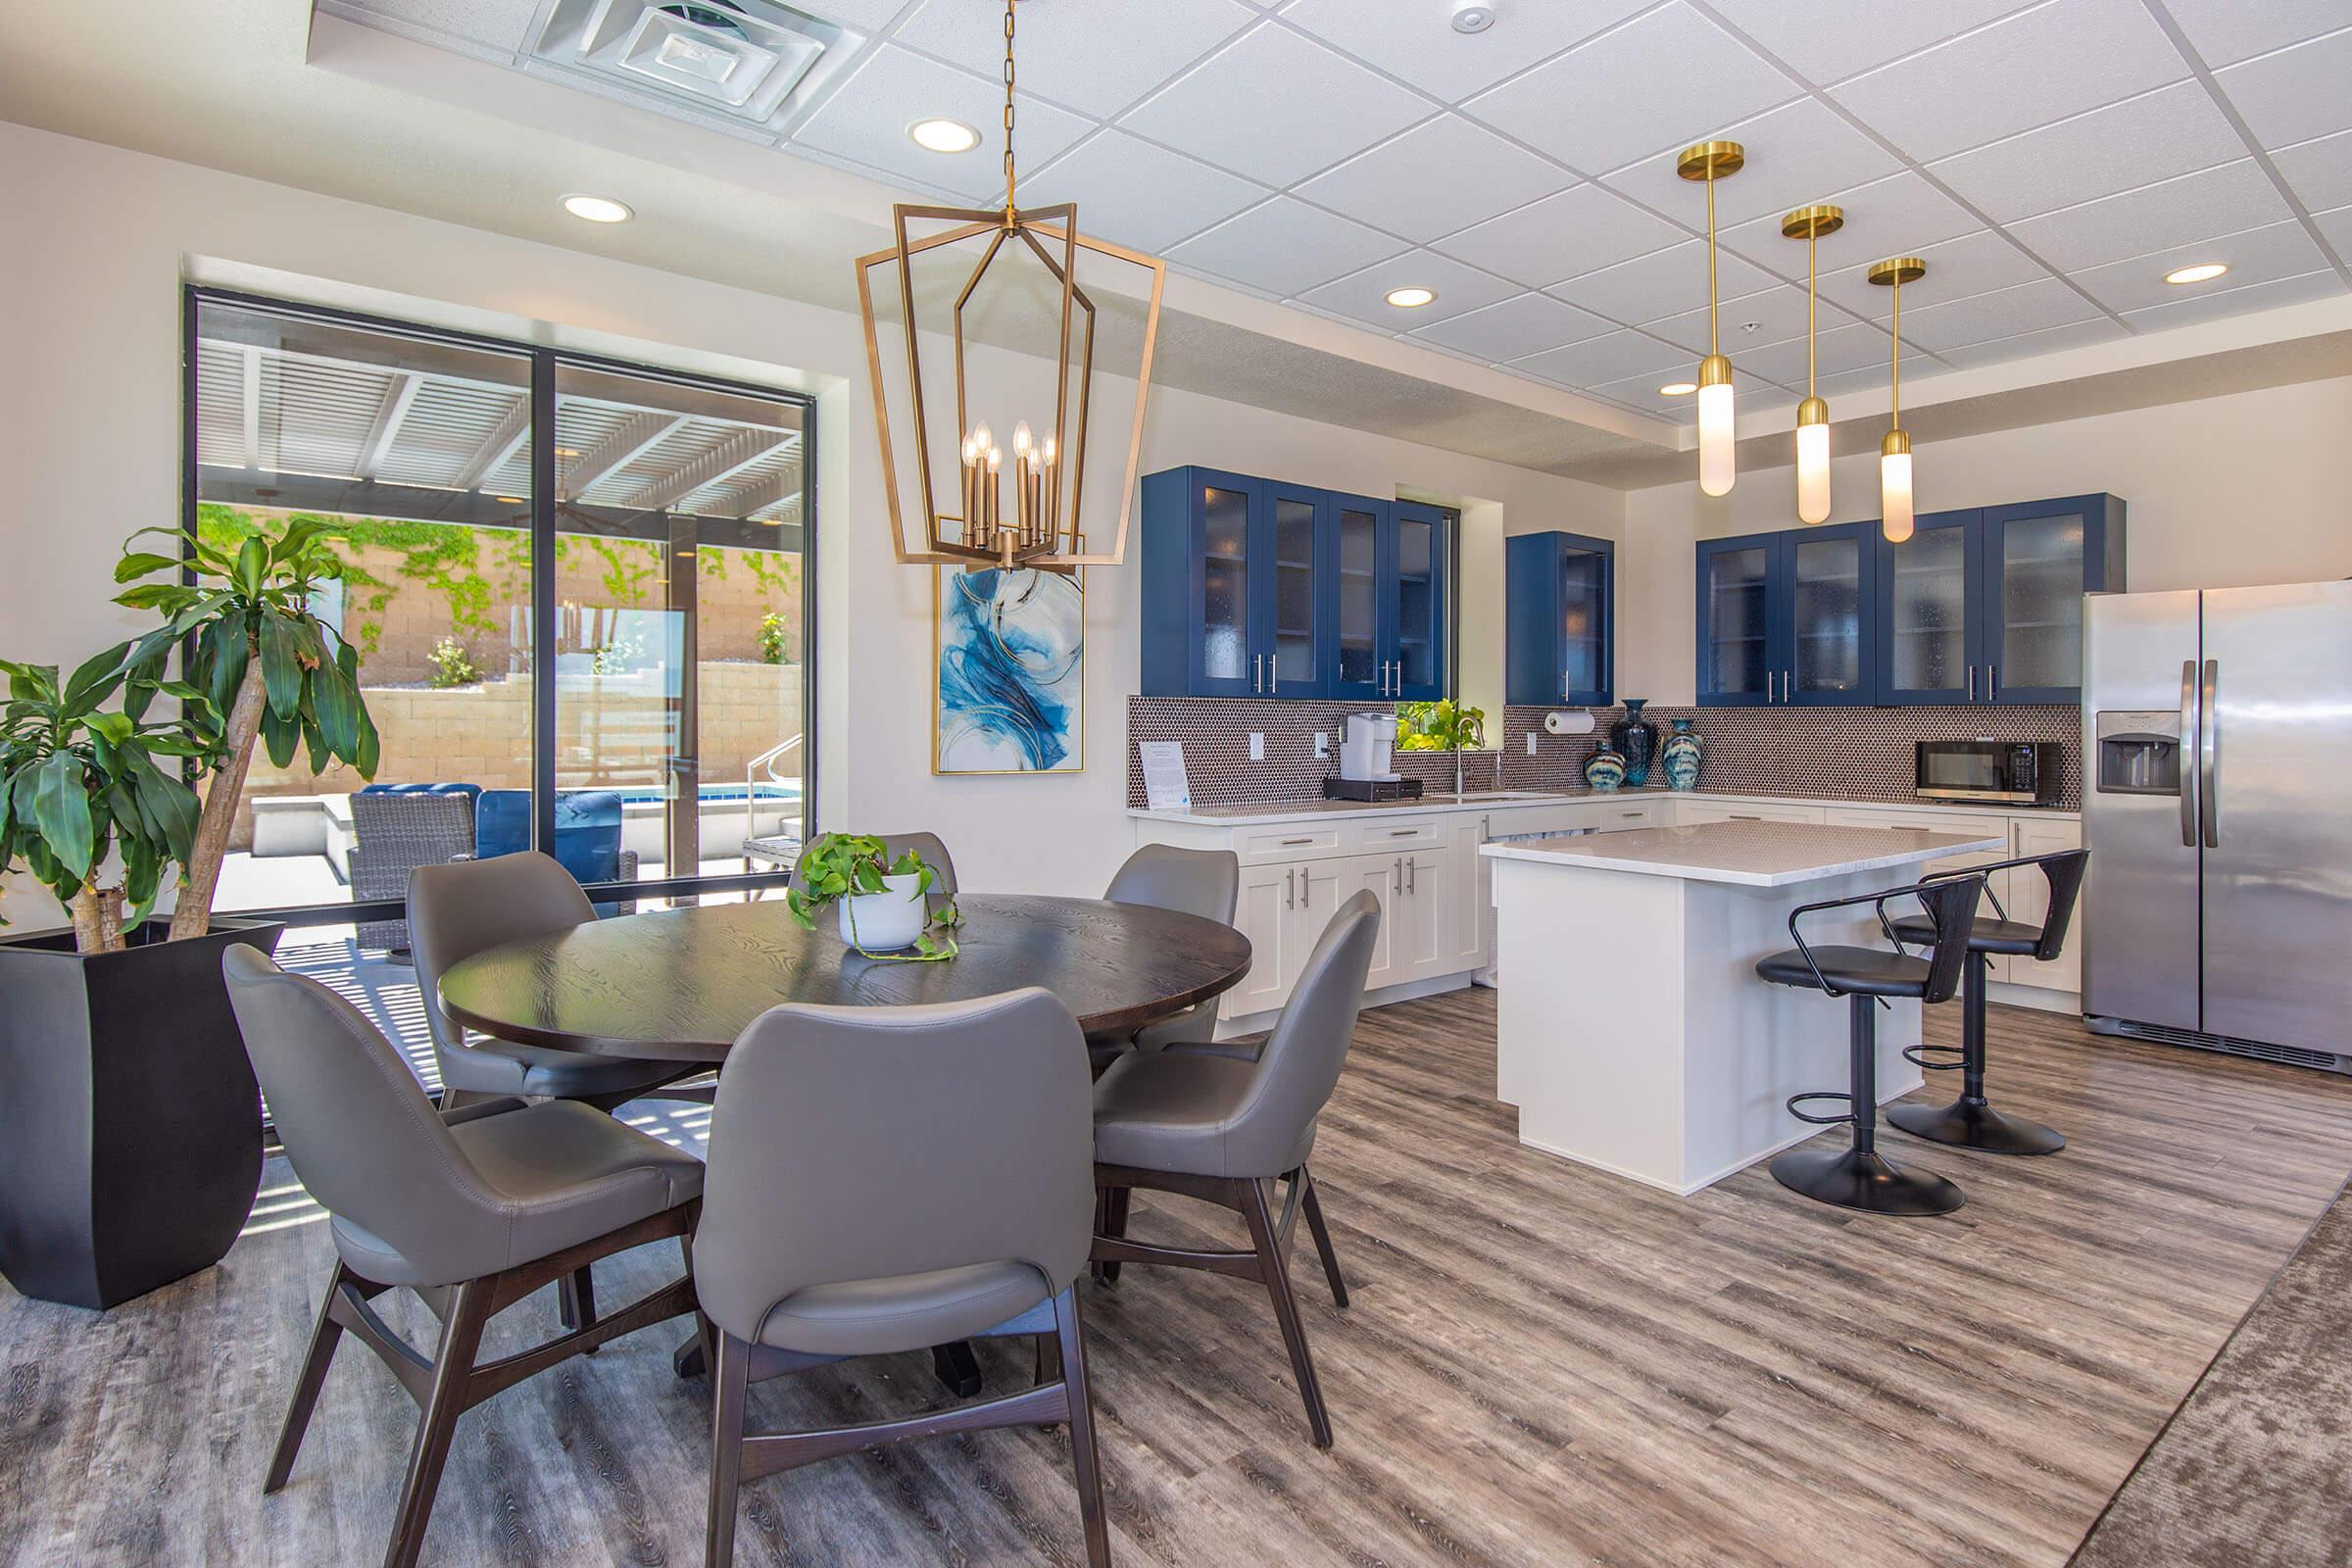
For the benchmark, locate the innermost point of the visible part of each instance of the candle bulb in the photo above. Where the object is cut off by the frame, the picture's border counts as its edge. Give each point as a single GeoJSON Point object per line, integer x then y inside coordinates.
{"type": "Point", "coordinates": [993, 496]}
{"type": "Point", "coordinates": [971, 455]}
{"type": "Point", "coordinates": [1051, 505]}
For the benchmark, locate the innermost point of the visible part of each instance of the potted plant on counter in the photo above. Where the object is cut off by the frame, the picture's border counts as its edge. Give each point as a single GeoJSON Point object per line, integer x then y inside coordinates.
{"type": "Point", "coordinates": [131, 1137]}
{"type": "Point", "coordinates": [883, 900]}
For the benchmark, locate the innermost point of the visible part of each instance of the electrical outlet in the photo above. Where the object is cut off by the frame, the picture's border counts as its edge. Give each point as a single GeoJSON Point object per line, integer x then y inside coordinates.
{"type": "Point", "coordinates": [1257, 746]}
{"type": "Point", "coordinates": [1322, 743]}
{"type": "Point", "coordinates": [1531, 743]}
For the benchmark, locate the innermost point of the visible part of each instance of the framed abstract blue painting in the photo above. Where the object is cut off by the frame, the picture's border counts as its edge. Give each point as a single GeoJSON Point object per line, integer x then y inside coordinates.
{"type": "Point", "coordinates": [1011, 693]}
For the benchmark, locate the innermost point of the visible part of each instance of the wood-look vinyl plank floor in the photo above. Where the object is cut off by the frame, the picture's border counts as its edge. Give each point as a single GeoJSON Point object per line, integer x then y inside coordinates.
{"type": "Point", "coordinates": [1545, 1365]}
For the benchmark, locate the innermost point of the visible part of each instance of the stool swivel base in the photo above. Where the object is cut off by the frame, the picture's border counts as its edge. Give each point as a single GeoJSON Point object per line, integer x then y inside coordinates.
{"type": "Point", "coordinates": [1970, 1122]}
{"type": "Point", "coordinates": [1858, 1176]}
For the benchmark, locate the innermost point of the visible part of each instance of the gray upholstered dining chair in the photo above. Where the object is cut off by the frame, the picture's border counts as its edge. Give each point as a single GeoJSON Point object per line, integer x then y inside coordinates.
{"type": "Point", "coordinates": [454, 911]}
{"type": "Point", "coordinates": [930, 845]}
{"type": "Point", "coordinates": [1216, 1129]}
{"type": "Point", "coordinates": [474, 1209]}
{"type": "Point", "coordinates": [1200, 882]}
{"type": "Point", "coordinates": [885, 1178]}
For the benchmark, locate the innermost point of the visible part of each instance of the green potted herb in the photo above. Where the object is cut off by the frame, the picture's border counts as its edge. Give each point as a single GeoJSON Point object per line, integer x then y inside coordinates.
{"type": "Point", "coordinates": [1439, 726]}
{"type": "Point", "coordinates": [883, 900]}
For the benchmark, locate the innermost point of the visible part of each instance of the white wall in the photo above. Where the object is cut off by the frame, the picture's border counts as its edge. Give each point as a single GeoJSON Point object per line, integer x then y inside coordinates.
{"type": "Point", "coordinates": [2221, 492]}
{"type": "Point", "coordinates": [100, 239]}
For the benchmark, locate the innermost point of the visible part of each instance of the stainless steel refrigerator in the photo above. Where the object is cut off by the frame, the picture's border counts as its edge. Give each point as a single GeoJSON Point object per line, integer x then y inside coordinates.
{"type": "Point", "coordinates": [2217, 807]}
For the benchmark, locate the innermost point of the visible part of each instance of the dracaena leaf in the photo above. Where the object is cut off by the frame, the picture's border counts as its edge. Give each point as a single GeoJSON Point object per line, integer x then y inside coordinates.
{"type": "Point", "coordinates": [281, 673]}
{"type": "Point", "coordinates": [138, 563]}
{"type": "Point", "coordinates": [60, 808]}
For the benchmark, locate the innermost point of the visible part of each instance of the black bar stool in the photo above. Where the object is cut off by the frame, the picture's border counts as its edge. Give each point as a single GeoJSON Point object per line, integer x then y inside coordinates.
{"type": "Point", "coordinates": [1858, 1177]}
{"type": "Point", "coordinates": [1968, 1122]}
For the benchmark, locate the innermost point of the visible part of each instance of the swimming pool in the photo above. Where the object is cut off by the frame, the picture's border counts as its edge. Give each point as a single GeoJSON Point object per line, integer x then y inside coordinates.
{"type": "Point", "coordinates": [710, 793]}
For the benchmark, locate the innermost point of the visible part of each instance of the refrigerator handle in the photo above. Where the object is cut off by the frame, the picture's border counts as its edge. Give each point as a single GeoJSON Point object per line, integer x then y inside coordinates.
{"type": "Point", "coordinates": [2210, 790]}
{"type": "Point", "coordinates": [2188, 753]}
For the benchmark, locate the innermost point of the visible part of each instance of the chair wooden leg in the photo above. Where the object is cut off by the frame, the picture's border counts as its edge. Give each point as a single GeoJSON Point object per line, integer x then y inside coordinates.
{"type": "Point", "coordinates": [1312, 1207]}
{"type": "Point", "coordinates": [324, 1338]}
{"type": "Point", "coordinates": [453, 1366]}
{"type": "Point", "coordinates": [702, 1343]}
{"type": "Point", "coordinates": [1116, 1204]}
{"type": "Point", "coordinates": [730, 1377]}
{"type": "Point", "coordinates": [1252, 1204]}
{"type": "Point", "coordinates": [575, 1300]}
{"type": "Point", "coordinates": [1071, 1341]}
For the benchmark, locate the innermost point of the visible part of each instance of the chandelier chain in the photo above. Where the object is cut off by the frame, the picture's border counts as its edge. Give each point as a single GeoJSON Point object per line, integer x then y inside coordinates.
{"type": "Point", "coordinates": [1008, 203]}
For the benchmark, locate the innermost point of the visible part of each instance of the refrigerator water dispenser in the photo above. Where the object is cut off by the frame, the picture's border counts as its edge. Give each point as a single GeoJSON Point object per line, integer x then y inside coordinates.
{"type": "Point", "coordinates": [2140, 754]}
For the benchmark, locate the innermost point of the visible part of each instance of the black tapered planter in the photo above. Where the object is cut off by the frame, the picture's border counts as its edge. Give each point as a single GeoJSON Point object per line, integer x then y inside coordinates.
{"type": "Point", "coordinates": [130, 1127]}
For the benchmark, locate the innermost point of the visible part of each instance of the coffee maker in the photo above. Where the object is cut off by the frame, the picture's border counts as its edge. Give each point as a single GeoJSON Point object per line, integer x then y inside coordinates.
{"type": "Point", "coordinates": [1366, 762]}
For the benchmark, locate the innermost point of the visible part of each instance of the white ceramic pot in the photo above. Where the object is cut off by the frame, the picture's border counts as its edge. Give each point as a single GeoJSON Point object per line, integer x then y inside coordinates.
{"type": "Point", "coordinates": [886, 922]}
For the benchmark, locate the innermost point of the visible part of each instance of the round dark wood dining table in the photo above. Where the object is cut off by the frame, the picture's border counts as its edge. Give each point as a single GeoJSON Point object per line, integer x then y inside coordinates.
{"type": "Point", "coordinates": [681, 984]}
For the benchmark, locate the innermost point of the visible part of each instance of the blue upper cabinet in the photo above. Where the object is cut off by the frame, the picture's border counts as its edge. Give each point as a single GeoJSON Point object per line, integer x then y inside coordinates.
{"type": "Point", "coordinates": [1559, 619]}
{"type": "Point", "coordinates": [1257, 588]}
{"type": "Point", "coordinates": [1985, 606]}
{"type": "Point", "coordinates": [1785, 618]}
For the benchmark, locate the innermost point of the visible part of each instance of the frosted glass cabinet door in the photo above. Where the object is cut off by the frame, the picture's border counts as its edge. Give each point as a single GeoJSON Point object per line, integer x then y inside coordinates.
{"type": "Point", "coordinates": [1930, 614]}
{"type": "Point", "coordinates": [1297, 514]}
{"type": "Point", "coordinates": [1225, 651]}
{"type": "Point", "coordinates": [1584, 622]}
{"type": "Point", "coordinates": [1417, 651]}
{"type": "Point", "coordinates": [1736, 622]}
{"type": "Point", "coordinates": [1826, 659]}
{"type": "Point", "coordinates": [2038, 558]}
{"type": "Point", "coordinates": [1356, 599]}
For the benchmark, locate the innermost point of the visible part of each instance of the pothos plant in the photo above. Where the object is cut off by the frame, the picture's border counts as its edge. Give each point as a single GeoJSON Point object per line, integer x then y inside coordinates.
{"type": "Point", "coordinates": [1439, 726]}
{"type": "Point", "coordinates": [264, 661]}
{"type": "Point", "coordinates": [844, 866]}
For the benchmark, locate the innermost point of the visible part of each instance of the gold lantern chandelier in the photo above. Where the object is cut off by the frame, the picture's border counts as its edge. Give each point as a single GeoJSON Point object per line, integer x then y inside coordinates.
{"type": "Point", "coordinates": [1712, 161]}
{"type": "Point", "coordinates": [1809, 223]}
{"type": "Point", "coordinates": [973, 522]}
{"type": "Point", "coordinates": [1895, 452]}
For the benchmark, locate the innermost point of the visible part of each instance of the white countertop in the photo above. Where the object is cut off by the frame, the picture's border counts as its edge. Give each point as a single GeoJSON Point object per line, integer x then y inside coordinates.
{"type": "Point", "coordinates": [1488, 801]}
{"type": "Point", "coordinates": [1757, 854]}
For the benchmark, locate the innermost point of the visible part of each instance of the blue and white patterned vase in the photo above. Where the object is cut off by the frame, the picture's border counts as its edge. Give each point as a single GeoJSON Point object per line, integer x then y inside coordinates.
{"type": "Point", "coordinates": [1680, 756]}
{"type": "Point", "coordinates": [1604, 770]}
{"type": "Point", "coordinates": [1636, 738]}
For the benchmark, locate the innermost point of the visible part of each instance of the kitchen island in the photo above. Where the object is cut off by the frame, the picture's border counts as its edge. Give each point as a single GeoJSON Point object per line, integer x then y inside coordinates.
{"type": "Point", "coordinates": [1634, 1034]}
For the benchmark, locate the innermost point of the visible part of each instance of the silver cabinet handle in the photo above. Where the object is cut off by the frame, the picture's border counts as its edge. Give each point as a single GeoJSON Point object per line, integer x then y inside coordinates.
{"type": "Point", "coordinates": [1412, 871]}
{"type": "Point", "coordinates": [1633, 813]}
{"type": "Point", "coordinates": [1486, 827]}
{"type": "Point", "coordinates": [1290, 890]}
{"type": "Point", "coordinates": [1563, 685]}
{"type": "Point", "coordinates": [1403, 832]}
{"type": "Point", "coordinates": [1397, 872]}
{"type": "Point", "coordinates": [1993, 681]}
{"type": "Point", "coordinates": [2189, 752]}
{"type": "Point", "coordinates": [1306, 887]}
{"type": "Point", "coordinates": [1972, 683]}
{"type": "Point", "coordinates": [1735, 816]}
{"type": "Point", "coordinates": [2212, 789]}
{"type": "Point", "coordinates": [1287, 843]}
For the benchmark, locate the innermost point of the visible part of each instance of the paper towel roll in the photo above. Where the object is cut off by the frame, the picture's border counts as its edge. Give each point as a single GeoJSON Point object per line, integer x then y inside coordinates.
{"type": "Point", "coordinates": [1578, 722]}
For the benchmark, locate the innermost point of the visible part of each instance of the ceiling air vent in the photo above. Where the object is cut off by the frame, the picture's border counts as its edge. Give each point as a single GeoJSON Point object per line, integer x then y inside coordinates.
{"type": "Point", "coordinates": [750, 59]}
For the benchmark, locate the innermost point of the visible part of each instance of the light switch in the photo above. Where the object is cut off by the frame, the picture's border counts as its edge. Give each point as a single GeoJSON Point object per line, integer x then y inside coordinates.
{"type": "Point", "coordinates": [1257, 746]}
{"type": "Point", "coordinates": [1531, 743]}
{"type": "Point", "coordinates": [1322, 743]}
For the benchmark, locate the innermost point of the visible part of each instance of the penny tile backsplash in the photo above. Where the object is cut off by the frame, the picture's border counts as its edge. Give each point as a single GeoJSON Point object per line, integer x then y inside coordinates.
{"type": "Point", "coordinates": [1854, 753]}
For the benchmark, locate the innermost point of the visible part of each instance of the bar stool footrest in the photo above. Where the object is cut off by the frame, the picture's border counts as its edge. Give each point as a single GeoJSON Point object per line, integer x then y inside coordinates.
{"type": "Point", "coordinates": [1794, 1101]}
{"type": "Point", "coordinates": [1917, 1055]}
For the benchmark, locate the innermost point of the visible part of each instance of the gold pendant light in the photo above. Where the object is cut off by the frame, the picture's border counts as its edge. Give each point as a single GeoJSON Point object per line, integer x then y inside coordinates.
{"type": "Point", "coordinates": [1040, 527]}
{"type": "Point", "coordinates": [1895, 452]}
{"type": "Point", "coordinates": [1809, 223]}
{"type": "Point", "coordinates": [1712, 161]}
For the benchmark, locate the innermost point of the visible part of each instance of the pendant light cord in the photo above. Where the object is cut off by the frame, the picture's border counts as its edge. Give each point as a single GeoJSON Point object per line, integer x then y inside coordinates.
{"type": "Point", "coordinates": [1812, 294]}
{"type": "Point", "coordinates": [1010, 208]}
{"type": "Point", "coordinates": [1895, 404]}
{"type": "Point", "coordinates": [1714, 346]}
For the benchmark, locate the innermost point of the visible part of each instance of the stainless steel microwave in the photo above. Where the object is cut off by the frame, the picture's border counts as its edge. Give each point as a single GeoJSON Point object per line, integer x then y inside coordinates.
{"type": "Point", "coordinates": [1996, 772]}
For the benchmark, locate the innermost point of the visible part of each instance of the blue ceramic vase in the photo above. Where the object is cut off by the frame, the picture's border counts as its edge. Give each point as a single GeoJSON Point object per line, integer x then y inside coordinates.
{"type": "Point", "coordinates": [1636, 738]}
{"type": "Point", "coordinates": [1680, 756]}
{"type": "Point", "coordinates": [1604, 770]}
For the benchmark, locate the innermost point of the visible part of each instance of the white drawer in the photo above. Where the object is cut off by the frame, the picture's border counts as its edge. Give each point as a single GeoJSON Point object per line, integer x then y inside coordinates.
{"type": "Point", "coordinates": [1690, 813]}
{"type": "Point", "coordinates": [1293, 841]}
{"type": "Point", "coordinates": [1518, 820]}
{"type": "Point", "coordinates": [1927, 821]}
{"type": "Point", "coordinates": [1610, 816]}
{"type": "Point", "coordinates": [1383, 834]}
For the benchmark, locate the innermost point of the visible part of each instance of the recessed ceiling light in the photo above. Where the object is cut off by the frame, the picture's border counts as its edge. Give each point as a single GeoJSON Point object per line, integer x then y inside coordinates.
{"type": "Point", "coordinates": [943, 136]}
{"type": "Point", "coordinates": [1678, 389]}
{"type": "Point", "coordinates": [2202, 273]}
{"type": "Point", "coordinates": [598, 208]}
{"type": "Point", "coordinates": [1411, 298]}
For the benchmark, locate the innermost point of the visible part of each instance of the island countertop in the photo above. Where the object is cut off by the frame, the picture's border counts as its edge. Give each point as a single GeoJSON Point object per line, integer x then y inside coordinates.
{"type": "Point", "coordinates": [1757, 854]}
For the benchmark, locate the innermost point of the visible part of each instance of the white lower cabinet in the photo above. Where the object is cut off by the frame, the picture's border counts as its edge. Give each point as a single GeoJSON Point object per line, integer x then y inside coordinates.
{"type": "Point", "coordinates": [1469, 894]}
{"type": "Point", "coordinates": [1265, 914]}
{"type": "Point", "coordinates": [2029, 899]}
{"type": "Point", "coordinates": [1689, 813]}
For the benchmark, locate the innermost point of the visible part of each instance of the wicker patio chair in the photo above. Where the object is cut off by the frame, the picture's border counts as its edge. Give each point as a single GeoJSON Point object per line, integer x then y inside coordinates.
{"type": "Point", "coordinates": [393, 834]}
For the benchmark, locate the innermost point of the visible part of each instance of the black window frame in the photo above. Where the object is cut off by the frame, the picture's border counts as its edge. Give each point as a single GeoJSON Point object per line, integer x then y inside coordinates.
{"type": "Point", "coordinates": [542, 361]}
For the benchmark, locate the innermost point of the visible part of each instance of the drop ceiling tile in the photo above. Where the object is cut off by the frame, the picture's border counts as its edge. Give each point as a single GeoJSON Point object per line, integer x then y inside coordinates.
{"type": "Point", "coordinates": [1067, 55]}
{"type": "Point", "coordinates": [2174, 130]}
{"type": "Point", "coordinates": [2025, 345]}
{"type": "Point", "coordinates": [2227, 200]}
{"type": "Point", "coordinates": [1829, 42]}
{"type": "Point", "coordinates": [1641, 392]}
{"type": "Point", "coordinates": [1655, 83]}
{"type": "Point", "coordinates": [1662, 284]}
{"type": "Point", "coordinates": [866, 15]}
{"type": "Point", "coordinates": [867, 120]}
{"type": "Point", "coordinates": [2338, 227]}
{"type": "Point", "coordinates": [1138, 194]}
{"type": "Point", "coordinates": [1613, 357]}
{"type": "Point", "coordinates": [2026, 71]}
{"type": "Point", "coordinates": [2258, 256]}
{"type": "Point", "coordinates": [1774, 314]}
{"type": "Point", "coordinates": [492, 27]}
{"type": "Point", "coordinates": [1576, 231]}
{"type": "Point", "coordinates": [2296, 93]}
{"type": "Point", "coordinates": [1845, 348]}
{"type": "Point", "coordinates": [2004, 312]}
{"type": "Point", "coordinates": [1441, 176]}
{"type": "Point", "coordinates": [2226, 31]}
{"type": "Point", "coordinates": [1526, 324]}
{"type": "Point", "coordinates": [1363, 295]}
{"type": "Point", "coordinates": [1285, 247]}
{"type": "Point", "coordinates": [2320, 172]}
{"type": "Point", "coordinates": [1901, 216]}
{"type": "Point", "coordinates": [1275, 105]}
{"type": "Point", "coordinates": [2245, 301]}
{"type": "Point", "coordinates": [1794, 154]}
{"type": "Point", "coordinates": [1415, 39]}
{"type": "Point", "coordinates": [1973, 263]}
{"type": "Point", "coordinates": [1871, 379]}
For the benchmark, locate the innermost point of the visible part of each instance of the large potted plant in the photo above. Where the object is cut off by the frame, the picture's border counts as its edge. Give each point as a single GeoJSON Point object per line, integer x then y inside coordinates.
{"type": "Point", "coordinates": [130, 1135]}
